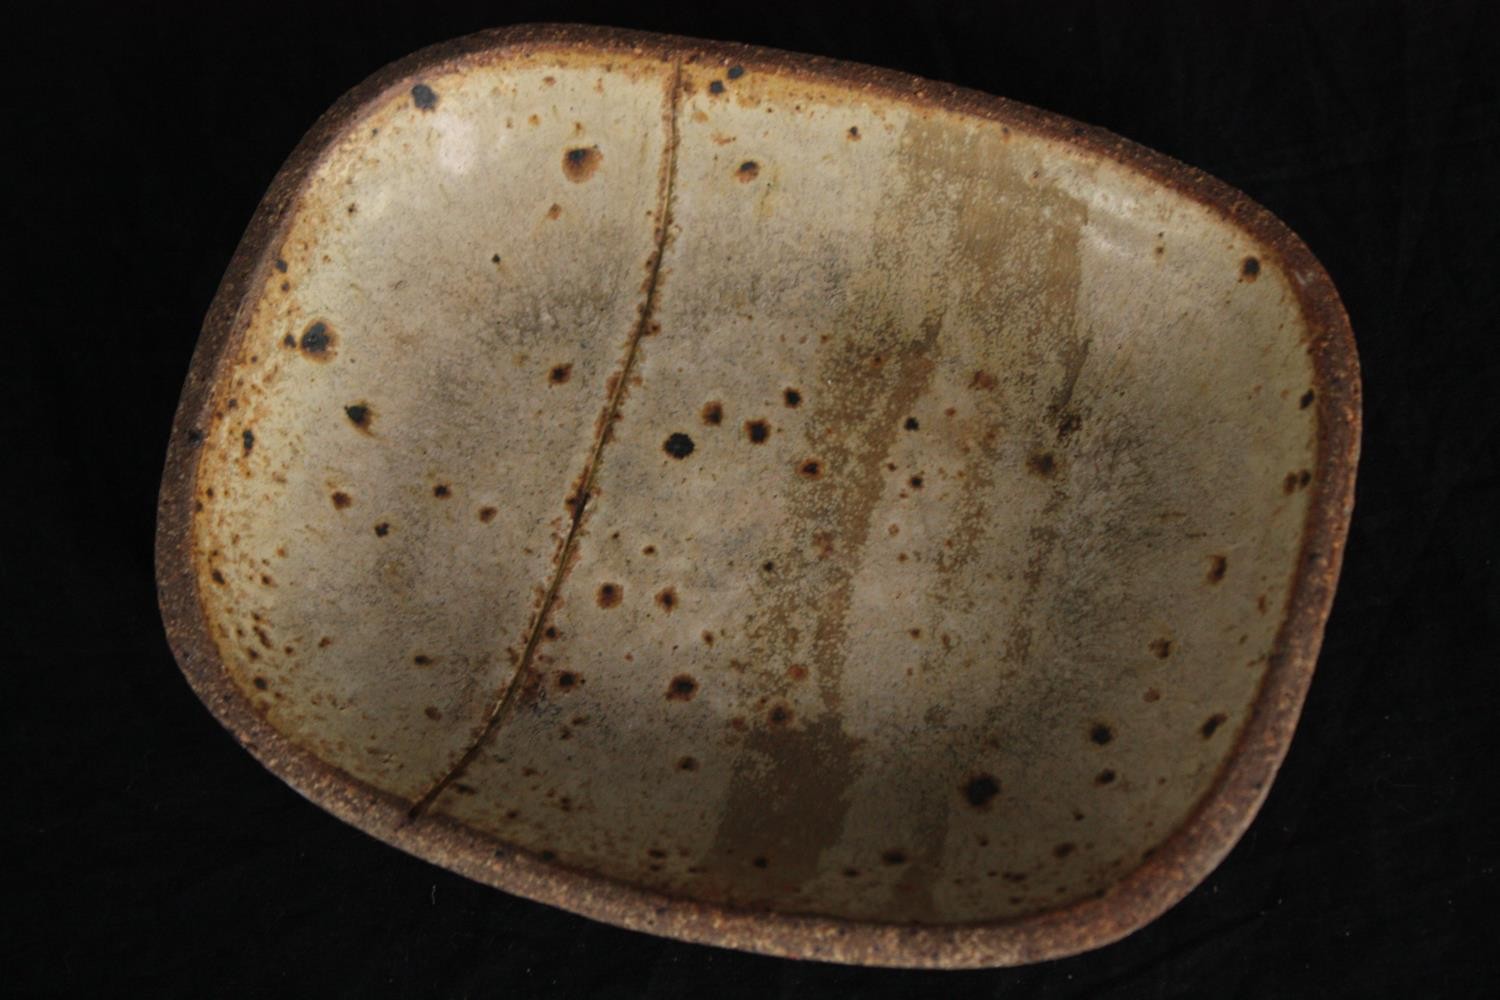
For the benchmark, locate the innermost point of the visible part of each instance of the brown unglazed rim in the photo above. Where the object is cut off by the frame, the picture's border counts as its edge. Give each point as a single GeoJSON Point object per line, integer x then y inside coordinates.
{"type": "Point", "coordinates": [1174, 869]}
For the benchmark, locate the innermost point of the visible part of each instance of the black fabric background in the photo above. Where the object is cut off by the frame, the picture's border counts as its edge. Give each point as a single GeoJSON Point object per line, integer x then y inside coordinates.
{"type": "Point", "coordinates": [146, 852]}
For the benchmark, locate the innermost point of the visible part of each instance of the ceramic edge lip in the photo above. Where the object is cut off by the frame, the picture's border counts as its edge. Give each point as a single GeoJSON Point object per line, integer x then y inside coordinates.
{"type": "Point", "coordinates": [1178, 866]}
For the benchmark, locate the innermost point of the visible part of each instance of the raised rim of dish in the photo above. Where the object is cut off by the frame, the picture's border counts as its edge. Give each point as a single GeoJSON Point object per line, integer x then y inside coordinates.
{"type": "Point", "coordinates": [1181, 862]}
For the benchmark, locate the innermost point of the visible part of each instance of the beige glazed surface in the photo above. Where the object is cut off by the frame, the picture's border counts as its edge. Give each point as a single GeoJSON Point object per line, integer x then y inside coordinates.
{"type": "Point", "coordinates": [763, 501]}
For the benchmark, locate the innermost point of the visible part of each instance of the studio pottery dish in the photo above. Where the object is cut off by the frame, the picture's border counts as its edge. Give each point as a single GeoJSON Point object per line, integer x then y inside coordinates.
{"type": "Point", "coordinates": [761, 500]}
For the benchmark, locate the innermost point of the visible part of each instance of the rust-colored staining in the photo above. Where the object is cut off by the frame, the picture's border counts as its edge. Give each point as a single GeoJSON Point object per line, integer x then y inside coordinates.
{"type": "Point", "coordinates": [487, 514]}
{"type": "Point", "coordinates": [1042, 464]}
{"type": "Point", "coordinates": [317, 341]}
{"type": "Point", "coordinates": [1151, 696]}
{"type": "Point", "coordinates": [911, 424]}
{"type": "Point", "coordinates": [382, 529]}
{"type": "Point", "coordinates": [747, 172]}
{"type": "Point", "coordinates": [823, 542]}
{"type": "Point", "coordinates": [1217, 567]}
{"type": "Point", "coordinates": [810, 468]}
{"type": "Point", "coordinates": [893, 856]}
{"type": "Point", "coordinates": [579, 163]}
{"type": "Point", "coordinates": [780, 714]}
{"type": "Point", "coordinates": [708, 638]}
{"type": "Point", "coordinates": [757, 431]}
{"type": "Point", "coordinates": [424, 97]}
{"type": "Point", "coordinates": [567, 680]}
{"type": "Point", "coordinates": [797, 672]}
{"type": "Point", "coordinates": [554, 211]}
{"type": "Point", "coordinates": [983, 380]}
{"type": "Point", "coordinates": [422, 660]}
{"type": "Point", "coordinates": [1100, 733]}
{"type": "Point", "coordinates": [1104, 777]}
{"type": "Point", "coordinates": [341, 500]}
{"type": "Point", "coordinates": [712, 413]}
{"type": "Point", "coordinates": [980, 790]}
{"type": "Point", "coordinates": [792, 397]}
{"type": "Point", "coordinates": [247, 440]}
{"type": "Point", "coordinates": [853, 133]}
{"type": "Point", "coordinates": [560, 374]}
{"type": "Point", "coordinates": [1162, 648]}
{"type": "Point", "coordinates": [1212, 724]}
{"type": "Point", "coordinates": [433, 713]}
{"type": "Point", "coordinates": [682, 688]}
{"type": "Point", "coordinates": [1250, 268]}
{"type": "Point", "coordinates": [360, 415]}
{"type": "Point", "coordinates": [666, 599]}
{"type": "Point", "coordinates": [1261, 604]}
{"type": "Point", "coordinates": [325, 642]}
{"type": "Point", "coordinates": [609, 595]}
{"type": "Point", "coordinates": [678, 445]}
{"type": "Point", "coordinates": [1063, 850]}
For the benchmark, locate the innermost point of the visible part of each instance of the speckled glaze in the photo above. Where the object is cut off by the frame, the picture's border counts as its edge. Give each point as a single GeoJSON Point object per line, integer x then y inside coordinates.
{"type": "Point", "coordinates": [760, 500]}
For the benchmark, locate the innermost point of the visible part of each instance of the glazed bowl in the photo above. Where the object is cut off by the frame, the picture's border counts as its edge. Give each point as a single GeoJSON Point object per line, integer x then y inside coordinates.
{"type": "Point", "coordinates": [761, 500]}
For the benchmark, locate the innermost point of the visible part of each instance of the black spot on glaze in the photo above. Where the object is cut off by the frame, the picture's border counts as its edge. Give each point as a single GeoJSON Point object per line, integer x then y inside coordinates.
{"type": "Point", "coordinates": [757, 431]}
{"type": "Point", "coordinates": [911, 424]}
{"type": "Point", "coordinates": [713, 413]}
{"type": "Point", "coordinates": [980, 789]}
{"type": "Point", "coordinates": [1217, 567]}
{"type": "Point", "coordinates": [894, 856]}
{"type": "Point", "coordinates": [1307, 399]}
{"type": "Point", "coordinates": [735, 72]}
{"type": "Point", "coordinates": [792, 397]}
{"type": "Point", "coordinates": [1101, 733]}
{"type": "Point", "coordinates": [424, 97]}
{"type": "Point", "coordinates": [682, 688]}
{"type": "Point", "coordinates": [247, 437]}
{"type": "Point", "coordinates": [1250, 268]}
{"type": "Point", "coordinates": [678, 445]}
{"type": "Point", "coordinates": [580, 163]}
{"type": "Point", "coordinates": [1212, 724]}
{"type": "Point", "coordinates": [317, 340]}
{"type": "Point", "coordinates": [717, 87]}
{"type": "Point", "coordinates": [1042, 464]}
